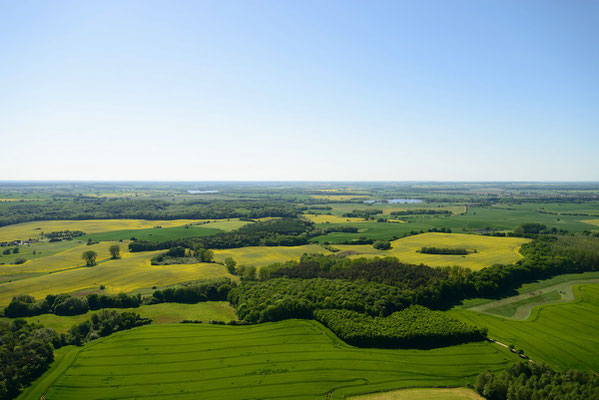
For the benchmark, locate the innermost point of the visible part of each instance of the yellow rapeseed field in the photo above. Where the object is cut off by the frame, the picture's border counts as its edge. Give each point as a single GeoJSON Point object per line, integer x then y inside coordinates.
{"type": "Point", "coordinates": [424, 394]}
{"type": "Point", "coordinates": [490, 250]}
{"type": "Point", "coordinates": [29, 230]}
{"type": "Point", "coordinates": [332, 219]}
{"type": "Point", "coordinates": [132, 272]}
{"type": "Point", "coordinates": [592, 221]}
{"type": "Point", "coordinates": [70, 258]}
{"type": "Point", "coordinates": [261, 256]}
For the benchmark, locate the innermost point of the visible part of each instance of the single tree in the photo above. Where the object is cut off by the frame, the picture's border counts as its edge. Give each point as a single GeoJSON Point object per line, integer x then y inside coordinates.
{"type": "Point", "coordinates": [89, 257]}
{"type": "Point", "coordinates": [230, 264]}
{"type": "Point", "coordinates": [115, 251]}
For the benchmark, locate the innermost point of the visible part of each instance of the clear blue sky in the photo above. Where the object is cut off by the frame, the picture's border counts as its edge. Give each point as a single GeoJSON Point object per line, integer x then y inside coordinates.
{"type": "Point", "coordinates": [299, 90]}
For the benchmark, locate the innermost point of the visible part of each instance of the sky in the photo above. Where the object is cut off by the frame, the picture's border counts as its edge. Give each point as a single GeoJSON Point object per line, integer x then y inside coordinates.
{"type": "Point", "coordinates": [299, 90]}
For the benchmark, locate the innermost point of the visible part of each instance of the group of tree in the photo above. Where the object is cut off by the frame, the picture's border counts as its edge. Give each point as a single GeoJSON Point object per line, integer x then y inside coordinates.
{"type": "Point", "coordinates": [91, 256]}
{"type": "Point", "coordinates": [444, 250]}
{"type": "Point", "coordinates": [57, 236]}
{"type": "Point", "coordinates": [420, 211]}
{"type": "Point", "coordinates": [413, 327]}
{"type": "Point", "coordinates": [366, 213]}
{"type": "Point", "coordinates": [182, 255]}
{"type": "Point", "coordinates": [212, 290]}
{"type": "Point", "coordinates": [526, 381]}
{"type": "Point", "coordinates": [382, 245]}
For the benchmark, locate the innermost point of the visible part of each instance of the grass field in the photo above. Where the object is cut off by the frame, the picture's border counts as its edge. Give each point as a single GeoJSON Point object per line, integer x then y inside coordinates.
{"type": "Point", "coordinates": [261, 256]}
{"type": "Point", "coordinates": [490, 250]}
{"type": "Point", "coordinates": [424, 394]}
{"type": "Point", "coordinates": [132, 272]}
{"type": "Point", "coordinates": [162, 313]}
{"type": "Point", "coordinates": [297, 359]}
{"type": "Point", "coordinates": [564, 335]}
{"type": "Point", "coordinates": [33, 230]}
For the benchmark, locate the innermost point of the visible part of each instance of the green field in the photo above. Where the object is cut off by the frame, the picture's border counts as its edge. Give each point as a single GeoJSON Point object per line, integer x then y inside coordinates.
{"type": "Point", "coordinates": [162, 313]}
{"type": "Point", "coordinates": [564, 335]}
{"type": "Point", "coordinates": [297, 359]}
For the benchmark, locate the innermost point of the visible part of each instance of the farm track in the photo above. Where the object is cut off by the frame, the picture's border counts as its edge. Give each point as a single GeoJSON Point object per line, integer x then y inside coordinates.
{"type": "Point", "coordinates": [524, 311]}
{"type": "Point", "coordinates": [564, 335]}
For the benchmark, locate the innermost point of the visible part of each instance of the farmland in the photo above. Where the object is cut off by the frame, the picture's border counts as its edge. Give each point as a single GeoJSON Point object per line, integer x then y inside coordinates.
{"type": "Point", "coordinates": [261, 256]}
{"type": "Point", "coordinates": [132, 272]}
{"type": "Point", "coordinates": [423, 394]}
{"type": "Point", "coordinates": [33, 230]}
{"type": "Point", "coordinates": [489, 250]}
{"type": "Point", "coordinates": [295, 358]}
{"type": "Point", "coordinates": [160, 313]}
{"type": "Point", "coordinates": [565, 335]}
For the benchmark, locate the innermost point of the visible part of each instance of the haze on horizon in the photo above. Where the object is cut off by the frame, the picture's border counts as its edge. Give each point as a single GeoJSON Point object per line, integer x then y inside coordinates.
{"type": "Point", "coordinates": [299, 90]}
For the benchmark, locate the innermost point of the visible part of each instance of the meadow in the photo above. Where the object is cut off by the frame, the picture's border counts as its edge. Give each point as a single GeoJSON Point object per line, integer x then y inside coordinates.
{"type": "Point", "coordinates": [564, 335]}
{"type": "Point", "coordinates": [489, 250]}
{"type": "Point", "coordinates": [292, 359]}
{"type": "Point", "coordinates": [162, 313]}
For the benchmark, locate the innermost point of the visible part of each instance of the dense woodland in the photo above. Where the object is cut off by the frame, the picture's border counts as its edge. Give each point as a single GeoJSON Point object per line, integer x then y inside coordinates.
{"type": "Point", "coordinates": [532, 381]}
{"type": "Point", "coordinates": [415, 326]}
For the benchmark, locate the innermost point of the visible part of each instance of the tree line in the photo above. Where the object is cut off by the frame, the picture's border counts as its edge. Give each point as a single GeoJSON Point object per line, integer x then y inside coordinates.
{"type": "Point", "coordinates": [65, 304]}
{"type": "Point", "coordinates": [119, 208]}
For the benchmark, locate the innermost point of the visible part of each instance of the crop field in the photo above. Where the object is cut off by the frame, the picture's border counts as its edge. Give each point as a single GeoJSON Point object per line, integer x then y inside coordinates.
{"type": "Point", "coordinates": [374, 231]}
{"type": "Point", "coordinates": [297, 359]}
{"type": "Point", "coordinates": [423, 394]}
{"type": "Point", "coordinates": [594, 222]}
{"type": "Point", "coordinates": [490, 250]}
{"type": "Point", "coordinates": [564, 335]}
{"type": "Point", "coordinates": [331, 219]}
{"type": "Point", "coordinates": [33, 230]}
{"type": "Point", "coordinates": [157, 234]}
{"type": "Point", "coordinates": [162, 313]}
{"type": "Point", "coordinates": [132, 272]}
{"type": "Point", "coordinates": [260, 256]}
{"type": "Point", "coordinates": [70, 258]}
{"type": "Point", "coordinates": [38, 250]}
